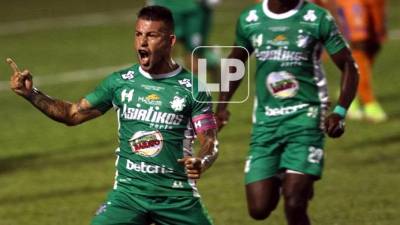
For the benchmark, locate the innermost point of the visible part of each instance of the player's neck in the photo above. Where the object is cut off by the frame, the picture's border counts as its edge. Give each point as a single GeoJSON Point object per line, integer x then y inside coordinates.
{"type": "Point", "coordinates": [282, 6]}
{"type": "Point", "coordinates": [163, 67]}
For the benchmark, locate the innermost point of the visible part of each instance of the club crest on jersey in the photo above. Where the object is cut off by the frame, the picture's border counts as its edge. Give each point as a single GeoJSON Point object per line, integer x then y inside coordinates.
{"type": "Point", "coordinates": [310, 16]}
{"type": "Point", "coordinates": [282, 84]}
{"type": "Point", "coordinates": [129, 75]}
{"type": "Point", "coordinates": [146, 143]}
{"type": "Point", "coordinates": [177, 104]}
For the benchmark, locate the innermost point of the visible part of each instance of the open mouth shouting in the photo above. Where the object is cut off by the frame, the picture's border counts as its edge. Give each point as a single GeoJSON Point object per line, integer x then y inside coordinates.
{"type": "Point", "coordinates": [144, 57]}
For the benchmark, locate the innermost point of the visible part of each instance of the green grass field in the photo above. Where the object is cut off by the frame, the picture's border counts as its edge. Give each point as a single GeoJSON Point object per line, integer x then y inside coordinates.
{"type": "Point", "coordinates": [51, 174]}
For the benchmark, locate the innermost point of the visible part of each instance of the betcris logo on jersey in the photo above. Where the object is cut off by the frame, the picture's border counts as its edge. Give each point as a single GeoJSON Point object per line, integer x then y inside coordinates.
{"type": "Point", "coordinates": [143, 167]}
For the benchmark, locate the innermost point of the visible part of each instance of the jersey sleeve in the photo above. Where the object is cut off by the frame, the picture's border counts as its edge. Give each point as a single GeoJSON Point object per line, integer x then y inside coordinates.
{"type": "Point", "coordinates": [241, 36]}
{"type": "Point", "coordinates": [202, 114]}
{"type": "Point", "coordinates": [201, 104]}
{"type": "Point", "coordinates": [331, 37]}
{"type": "Point", "coordinates": [101, 97]}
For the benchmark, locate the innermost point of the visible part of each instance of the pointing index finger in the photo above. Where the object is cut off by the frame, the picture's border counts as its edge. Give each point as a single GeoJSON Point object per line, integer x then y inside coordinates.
{"type": "Point", "coordinates": [14, 66]}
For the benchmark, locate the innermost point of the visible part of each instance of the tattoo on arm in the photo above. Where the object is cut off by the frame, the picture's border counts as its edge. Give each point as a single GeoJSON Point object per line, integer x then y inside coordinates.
{"type": "Point", "coordinates": [61, 111]}
{"type": "Point", "coordinates": [209, 148]}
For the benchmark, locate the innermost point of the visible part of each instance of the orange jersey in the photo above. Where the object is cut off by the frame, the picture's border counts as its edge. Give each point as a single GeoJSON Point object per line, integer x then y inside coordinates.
{"type": "Point", "coordinates": [362, 20]}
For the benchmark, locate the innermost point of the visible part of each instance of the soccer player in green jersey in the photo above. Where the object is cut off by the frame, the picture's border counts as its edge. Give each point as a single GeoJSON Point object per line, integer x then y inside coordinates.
{"type": "Point", "coordinates": [158, 119]}
{"type": "Point", "coordinates": [291, 105]}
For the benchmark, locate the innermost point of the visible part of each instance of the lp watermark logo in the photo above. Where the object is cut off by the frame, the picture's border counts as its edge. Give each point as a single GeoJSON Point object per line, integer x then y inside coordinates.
{"type": "Point", "coordinates": [216, 73]}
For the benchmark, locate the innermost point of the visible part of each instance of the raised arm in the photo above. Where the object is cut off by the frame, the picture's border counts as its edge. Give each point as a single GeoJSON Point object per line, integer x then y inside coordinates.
{"type": "Point", "coordinates": [222, 113]}
{"type": "Point", "coordinates": [65, 112]}
{"type": "Point", "coordinates": [334, 124]}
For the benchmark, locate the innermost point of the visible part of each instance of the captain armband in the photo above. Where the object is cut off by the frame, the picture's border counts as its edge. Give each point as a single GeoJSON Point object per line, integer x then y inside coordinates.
{"type": "Point", "coordinates": [204, 122]}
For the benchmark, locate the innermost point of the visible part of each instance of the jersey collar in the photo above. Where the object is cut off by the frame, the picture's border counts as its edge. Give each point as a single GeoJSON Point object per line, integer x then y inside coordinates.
{"type": "Point", "coordinates": [280, 16]}
{"type": "Point", "coordinates": [160, 76]}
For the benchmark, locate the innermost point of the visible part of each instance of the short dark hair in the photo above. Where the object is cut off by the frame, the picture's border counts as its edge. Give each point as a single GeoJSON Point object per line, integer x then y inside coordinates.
{"type": "Point", "coordinates": [157, 13]}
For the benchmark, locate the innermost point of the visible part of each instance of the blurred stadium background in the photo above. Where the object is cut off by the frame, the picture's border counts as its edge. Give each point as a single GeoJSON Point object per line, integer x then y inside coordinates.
{"type": "Point", "coordinates": [51, 174]}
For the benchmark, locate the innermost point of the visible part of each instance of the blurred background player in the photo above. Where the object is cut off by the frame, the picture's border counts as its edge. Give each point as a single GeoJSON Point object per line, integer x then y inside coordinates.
{"type": "Point", "coordinates": [363, 24]}
{"type": "Point", "coordinates": [193, 20]}
{"type": "Point", "coordinates": [290, 114]}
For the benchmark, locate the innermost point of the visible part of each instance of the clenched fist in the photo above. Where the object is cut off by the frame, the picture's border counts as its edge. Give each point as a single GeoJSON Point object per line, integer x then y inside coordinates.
{"type": "Point", "coordinates": [334, 125]}
{"type": "Point", "coordinates": [193, 166]}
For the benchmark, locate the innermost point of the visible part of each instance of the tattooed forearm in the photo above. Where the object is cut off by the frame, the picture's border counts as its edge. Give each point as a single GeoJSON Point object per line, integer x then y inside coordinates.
{"type": "Point", "coordinates": [209, 148]}
{"type": "Point", "coordinates": [55, 109]}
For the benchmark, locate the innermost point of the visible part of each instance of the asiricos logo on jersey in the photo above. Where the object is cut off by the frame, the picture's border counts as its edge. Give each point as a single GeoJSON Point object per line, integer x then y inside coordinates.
{"type": "Point", "coordinates": [146, 143]}
{"type": "Point", "coordinates": [282, 84]}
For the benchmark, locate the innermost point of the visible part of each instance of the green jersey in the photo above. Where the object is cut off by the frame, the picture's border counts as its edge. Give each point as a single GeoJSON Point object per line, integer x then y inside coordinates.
{"type": "Point", "coordinates": [287, 47]}
{"type": "Point", "coordinates": [154, 127]}
{"type": "Point", "coordinates": [176, 5]}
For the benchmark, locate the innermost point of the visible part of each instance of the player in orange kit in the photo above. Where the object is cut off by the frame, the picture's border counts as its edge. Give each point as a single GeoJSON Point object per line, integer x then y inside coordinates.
{"type": "Point", "coordinates": [363, 24]}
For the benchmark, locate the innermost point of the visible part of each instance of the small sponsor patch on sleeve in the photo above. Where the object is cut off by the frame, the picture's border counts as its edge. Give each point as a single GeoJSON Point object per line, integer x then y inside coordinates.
{"type": "Point", "coordinates": [204, 122]}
